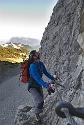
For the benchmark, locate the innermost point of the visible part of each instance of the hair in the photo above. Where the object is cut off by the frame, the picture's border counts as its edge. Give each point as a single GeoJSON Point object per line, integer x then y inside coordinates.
{"type": "Point", "coordinates": [30, 60]}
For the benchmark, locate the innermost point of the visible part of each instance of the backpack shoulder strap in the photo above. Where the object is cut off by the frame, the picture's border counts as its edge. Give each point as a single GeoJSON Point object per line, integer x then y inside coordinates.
{"type": "Point", "coordinates": [42, 65]}
{"type": "Point", "coordinates": [38, 68]}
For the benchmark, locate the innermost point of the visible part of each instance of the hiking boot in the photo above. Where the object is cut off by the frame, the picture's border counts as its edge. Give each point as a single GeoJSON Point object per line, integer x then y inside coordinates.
{"type": "Point", "coordinates": [37, 118]}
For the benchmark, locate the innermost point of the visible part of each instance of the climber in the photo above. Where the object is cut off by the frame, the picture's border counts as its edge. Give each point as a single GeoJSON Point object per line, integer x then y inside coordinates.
{"type": "Point", "coordinates": [35, 83]}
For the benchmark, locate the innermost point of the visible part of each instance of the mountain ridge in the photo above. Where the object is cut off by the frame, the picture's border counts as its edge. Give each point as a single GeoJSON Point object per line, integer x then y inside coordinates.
{"type": "Point", "coordinates": [25, 41]}
{"type": "Point", "coordinates": [15, 45]}
{"type": "Point", "coordinates": [17, 48]}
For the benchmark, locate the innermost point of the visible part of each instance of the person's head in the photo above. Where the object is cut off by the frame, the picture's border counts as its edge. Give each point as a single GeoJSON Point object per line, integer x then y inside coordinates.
{"type": "Point", "coordinates": [34, 54]}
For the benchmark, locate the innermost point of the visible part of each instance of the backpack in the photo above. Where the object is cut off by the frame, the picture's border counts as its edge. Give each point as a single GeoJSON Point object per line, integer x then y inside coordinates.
{"type": "Point", "coordinates": [24, 71]}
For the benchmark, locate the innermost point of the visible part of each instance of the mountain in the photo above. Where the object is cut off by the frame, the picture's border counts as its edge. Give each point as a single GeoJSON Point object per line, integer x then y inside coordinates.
{"type": "Point", "coordinates": [26, 41]}
{"type": "Point", "coordinates": [16, 45]}
{"type": "Point", "coordinates": [12, 45]}
{"type": "Point", "coordinates": [14, 52]}
{"type": "Point", "coordinates": [18, 48]}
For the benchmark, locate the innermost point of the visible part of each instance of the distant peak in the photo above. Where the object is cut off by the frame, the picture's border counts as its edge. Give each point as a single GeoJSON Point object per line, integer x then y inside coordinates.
{"type": "Point", "coordinates": [25, 41]}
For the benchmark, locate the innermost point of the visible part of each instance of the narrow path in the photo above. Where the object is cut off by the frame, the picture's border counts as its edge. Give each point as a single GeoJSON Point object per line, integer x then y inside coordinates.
{"type": "Point", "coordinates": [11, 96]}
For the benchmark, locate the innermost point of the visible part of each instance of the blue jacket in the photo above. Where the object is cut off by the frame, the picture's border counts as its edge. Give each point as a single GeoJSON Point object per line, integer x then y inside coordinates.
{"type": "Point", "coordinates": [37, 75]}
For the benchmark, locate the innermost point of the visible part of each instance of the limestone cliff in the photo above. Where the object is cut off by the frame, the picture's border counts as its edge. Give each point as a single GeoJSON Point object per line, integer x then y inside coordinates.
{"type": "Point", "coordinates": [62, 49]}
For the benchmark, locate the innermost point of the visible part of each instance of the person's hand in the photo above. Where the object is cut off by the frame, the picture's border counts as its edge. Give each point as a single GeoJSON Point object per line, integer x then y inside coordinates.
{"type": "Point", "coordinates": [54, 85]}
{"type": "Point", "coordinates": [56, 77]}
{"type": "Point", "coordinates": [51, 81]}
{"type": "Point", "coordinates": [49, 88]}
{"type": "Point", "coordinates": [56, 81]}
{"type": "Point", "coordinates": [48, 85]}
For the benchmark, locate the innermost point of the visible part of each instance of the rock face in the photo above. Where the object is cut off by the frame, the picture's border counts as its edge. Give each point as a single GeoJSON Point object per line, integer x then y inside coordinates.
{"type": "Point", "coordinates": [62, 48]}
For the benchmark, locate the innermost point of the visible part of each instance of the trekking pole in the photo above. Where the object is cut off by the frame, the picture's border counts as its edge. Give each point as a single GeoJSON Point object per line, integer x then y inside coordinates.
{"type": "Point", "coordinates": [61, 85]}
{"type": "Point", "coordinates": [60, 98]}
{"type": "Point", "coordinates": [56, 80]}
{"type": "Point", "coordinates": [66, 111]}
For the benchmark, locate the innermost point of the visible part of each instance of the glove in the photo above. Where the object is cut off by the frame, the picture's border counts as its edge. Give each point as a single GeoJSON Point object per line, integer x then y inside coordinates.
{"type": "Point", "coordinates": [51, 81]}
{"type": "Point", "coordinates": [49, 89]}
{"type": "Point", "coordinates": [56, 77]}
{"type": "Point", "coordinates": [48, 85]}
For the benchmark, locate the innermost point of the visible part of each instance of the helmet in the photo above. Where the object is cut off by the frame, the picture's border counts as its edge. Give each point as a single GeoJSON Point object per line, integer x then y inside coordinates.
{"type": "Point", "coordinates": [32, 53]}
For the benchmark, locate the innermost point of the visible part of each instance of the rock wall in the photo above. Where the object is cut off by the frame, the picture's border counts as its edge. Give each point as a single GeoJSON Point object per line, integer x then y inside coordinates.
{"type": "Point", "coordinates": [62, 50]}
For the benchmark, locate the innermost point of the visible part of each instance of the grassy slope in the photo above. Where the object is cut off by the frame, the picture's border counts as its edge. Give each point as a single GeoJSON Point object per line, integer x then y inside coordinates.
{"type": "Point", "coordinates": [6, 53]}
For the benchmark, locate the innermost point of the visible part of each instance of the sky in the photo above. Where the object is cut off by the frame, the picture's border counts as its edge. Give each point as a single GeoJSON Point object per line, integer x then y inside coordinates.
{"type": "Point", "coordinates": [24, 18]}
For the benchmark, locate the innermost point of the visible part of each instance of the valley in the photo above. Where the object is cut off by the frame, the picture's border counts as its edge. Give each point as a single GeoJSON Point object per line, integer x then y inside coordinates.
{"type": "Point", "coordinates": [17, 49]}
